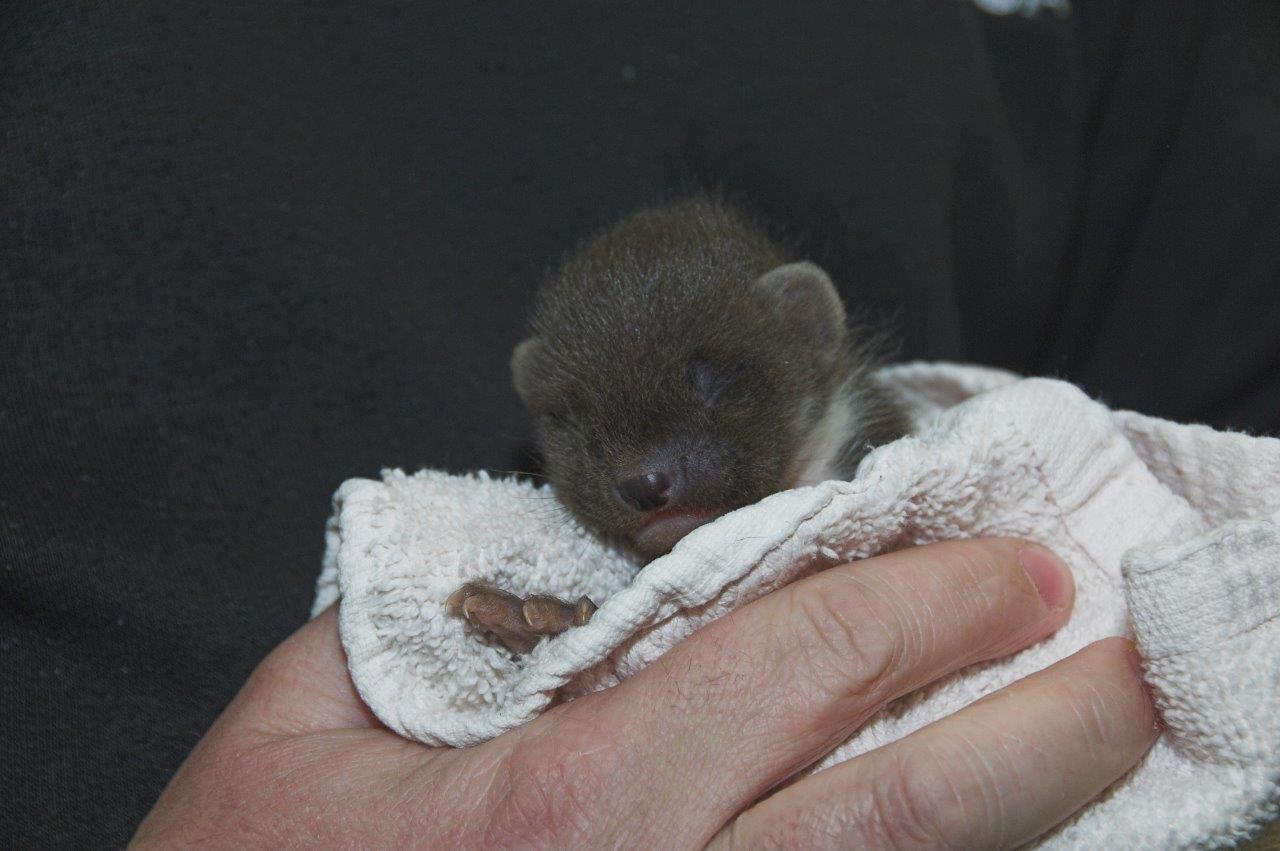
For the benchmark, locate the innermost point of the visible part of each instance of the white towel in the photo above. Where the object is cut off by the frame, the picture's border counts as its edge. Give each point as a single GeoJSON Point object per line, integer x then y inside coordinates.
{"type": "Point", "coordinates": [1172, 532]}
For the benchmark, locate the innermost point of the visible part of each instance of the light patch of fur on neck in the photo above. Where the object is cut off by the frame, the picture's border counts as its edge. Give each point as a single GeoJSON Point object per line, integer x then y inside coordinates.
{"type": "Point", "coordinates": [824, 455]}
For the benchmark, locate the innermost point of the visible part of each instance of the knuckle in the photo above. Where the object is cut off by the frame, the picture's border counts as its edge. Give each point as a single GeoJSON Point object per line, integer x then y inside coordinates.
{"type": "Point", "coordinates": [711, 673]}
{"type": "Point", "coordinates": [552, 788]}
{"type": "Point", "coordinates": [903, 805]}
{"type": "Point", "coordinates": [963, 783]}
{"type": "Point", "coordinates": [847, 639]}
{"type": "Point", "coordinates": [804, 827]}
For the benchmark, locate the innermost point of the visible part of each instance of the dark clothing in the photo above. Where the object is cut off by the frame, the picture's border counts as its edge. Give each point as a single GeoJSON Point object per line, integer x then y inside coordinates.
{"type": "Point", "coordinates": [251, 250]}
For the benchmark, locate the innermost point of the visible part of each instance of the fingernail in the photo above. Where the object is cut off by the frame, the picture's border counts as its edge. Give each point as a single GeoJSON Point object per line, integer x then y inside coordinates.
{"type": "Point", "coordinates": [1048, 573]}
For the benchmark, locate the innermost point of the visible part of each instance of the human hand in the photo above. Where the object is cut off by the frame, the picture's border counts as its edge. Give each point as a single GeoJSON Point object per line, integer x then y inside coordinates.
{"type": "Point", "coordinates": [686, 752]}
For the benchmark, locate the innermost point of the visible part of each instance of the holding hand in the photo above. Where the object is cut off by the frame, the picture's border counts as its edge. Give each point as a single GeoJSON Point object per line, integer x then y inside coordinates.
{"type": "Point", "coordinates": [682, 753]}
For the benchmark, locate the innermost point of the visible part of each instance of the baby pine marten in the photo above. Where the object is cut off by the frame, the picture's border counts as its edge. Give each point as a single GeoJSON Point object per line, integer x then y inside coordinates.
{"type": "Point", "coordinates": [680, 366]}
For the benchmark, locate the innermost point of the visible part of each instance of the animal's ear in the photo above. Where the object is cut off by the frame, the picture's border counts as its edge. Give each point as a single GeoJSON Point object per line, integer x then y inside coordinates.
{"type": "Point", "coordinates": [522, 366]}
{"type": "Point", "coordinates": [805, 299]}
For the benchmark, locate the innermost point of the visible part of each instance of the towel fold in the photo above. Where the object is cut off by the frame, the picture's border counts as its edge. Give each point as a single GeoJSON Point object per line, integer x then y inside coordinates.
{"type": "Point", "coordinates": [1172, 533]}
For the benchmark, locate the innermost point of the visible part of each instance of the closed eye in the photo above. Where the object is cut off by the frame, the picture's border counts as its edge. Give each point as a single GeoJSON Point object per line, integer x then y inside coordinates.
{"type": "Point", "coordinates": [711, 380]}
{"type": "Point", "coordinates": [559, 419]}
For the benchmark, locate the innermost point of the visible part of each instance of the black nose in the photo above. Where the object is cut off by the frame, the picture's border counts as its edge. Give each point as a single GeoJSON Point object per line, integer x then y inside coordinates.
{"type": "Point", "coordinates": [647, 492]}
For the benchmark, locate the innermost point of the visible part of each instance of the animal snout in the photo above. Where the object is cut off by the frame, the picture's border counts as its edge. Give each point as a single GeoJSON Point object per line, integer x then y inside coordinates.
{"type": "Point", "coordinates": [678, 475]}
{"type": "Point", "coordinates": [647, 491]}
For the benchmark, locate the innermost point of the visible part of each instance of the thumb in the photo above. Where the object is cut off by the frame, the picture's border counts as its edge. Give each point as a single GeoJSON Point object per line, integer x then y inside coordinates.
{"type": "Point", "coordinates": [303, 686]}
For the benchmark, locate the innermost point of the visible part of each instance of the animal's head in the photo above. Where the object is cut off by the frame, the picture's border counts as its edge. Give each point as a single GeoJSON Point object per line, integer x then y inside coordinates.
{"type": "Point", "coordinates": [664, 400]}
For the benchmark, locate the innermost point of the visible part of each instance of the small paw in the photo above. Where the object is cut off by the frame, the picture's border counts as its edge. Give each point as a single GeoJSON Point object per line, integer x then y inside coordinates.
{"type": "Point", "coordinates": [517, 622]}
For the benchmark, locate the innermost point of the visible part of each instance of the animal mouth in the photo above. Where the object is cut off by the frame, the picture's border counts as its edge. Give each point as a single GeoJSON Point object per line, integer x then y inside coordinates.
{"type": "Point", "coordinates": [661, 531]}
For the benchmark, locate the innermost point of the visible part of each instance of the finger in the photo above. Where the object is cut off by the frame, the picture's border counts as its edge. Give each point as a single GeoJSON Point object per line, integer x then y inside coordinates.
{"type": "Point", "coordinates": [995, 775]}
{"type": "Point", "coordinates": [295, 744]}
{"type": "Point", "coordinates": [303, 685]}
{"type": "Point", "coordinates": [752, 698]}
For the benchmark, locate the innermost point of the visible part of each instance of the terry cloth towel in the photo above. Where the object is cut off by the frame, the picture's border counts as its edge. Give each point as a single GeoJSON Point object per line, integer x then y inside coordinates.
{"type": "Point", "coordinates": [1172, 531]}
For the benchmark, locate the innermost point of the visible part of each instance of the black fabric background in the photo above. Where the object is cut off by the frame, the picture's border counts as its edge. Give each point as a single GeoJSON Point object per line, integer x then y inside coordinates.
{"type": "Point", "coordinates": [249, 250]}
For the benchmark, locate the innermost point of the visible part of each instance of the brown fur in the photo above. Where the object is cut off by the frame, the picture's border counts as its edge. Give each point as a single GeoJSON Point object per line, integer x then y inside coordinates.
{"type": "Point", "coordinates": [610, 372]}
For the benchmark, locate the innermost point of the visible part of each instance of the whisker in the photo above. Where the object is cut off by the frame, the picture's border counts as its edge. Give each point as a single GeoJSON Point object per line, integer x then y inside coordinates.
{"type": "Point", "coordinates": [531, 474]}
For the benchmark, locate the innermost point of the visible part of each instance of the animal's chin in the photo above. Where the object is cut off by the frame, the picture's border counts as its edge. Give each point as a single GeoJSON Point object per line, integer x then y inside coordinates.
{"type": "Point", "coordinates": [661, 531]}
